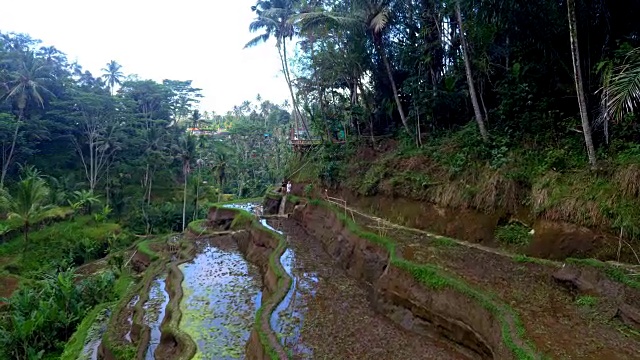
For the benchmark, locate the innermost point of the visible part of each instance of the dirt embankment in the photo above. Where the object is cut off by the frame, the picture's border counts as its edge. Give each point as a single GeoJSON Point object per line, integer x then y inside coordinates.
{"type": "Point", "coordinates": [551, 239]}
{"type": "Point", "coordinates": [264, 248]}
{"type": "Point", "coordinates": [271, 203]}
{"type": "Point", "coordinates": [584, 309]}
{"type": "Point", "coordinates": [127, 337]}
{"type": "Point", "coordinates": [174, 344]}
{"type": "Point", "coordinates": [444, 313]}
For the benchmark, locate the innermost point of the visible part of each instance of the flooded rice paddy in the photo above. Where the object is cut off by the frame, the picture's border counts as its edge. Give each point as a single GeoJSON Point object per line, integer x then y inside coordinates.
{"type": "Point", "coordinates": [222, 293]}
{"type": "Point", "coordinates": [325, 315]}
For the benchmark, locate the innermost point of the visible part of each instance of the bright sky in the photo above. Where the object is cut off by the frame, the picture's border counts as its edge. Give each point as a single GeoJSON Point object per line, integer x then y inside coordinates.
{"type": "Point", "coordinates": [180, 40]}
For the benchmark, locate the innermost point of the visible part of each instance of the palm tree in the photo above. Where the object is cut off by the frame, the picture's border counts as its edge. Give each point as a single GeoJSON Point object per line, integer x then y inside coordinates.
{"type": "Point", "coordinates": [200, 163]}
{"type": "Point", "coordinates": [276, 18]}
{"type": "Point", "coordinates": [373, 16]}
{"type": "Point", "coordinates": [220, 170]}
{"type": "Point", "coordinates": [577, 72]}
{"type": "Point", "coordinates": [112, 75]}
{"type": "Point", "coordinates": [28, 204]}
{"type": "Point", "coordinates": [24, 85]}
{"type": "Point", "coordinates": [187, 151]}
{"type": "Point", "coordinates": [84, 199]}
{"type": "Point", "coordinates": [621, 88]}
{"type": "Point", "coordinates": [195, 118]}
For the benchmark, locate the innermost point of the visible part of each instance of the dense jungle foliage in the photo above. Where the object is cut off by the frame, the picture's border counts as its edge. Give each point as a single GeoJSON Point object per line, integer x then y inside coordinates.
{"type": "Point", "coordinates": [90, 161]}
{"type": "Point", "coordinates": [490, 104]}
{"type": "Point", "coordinates": [496, 105]}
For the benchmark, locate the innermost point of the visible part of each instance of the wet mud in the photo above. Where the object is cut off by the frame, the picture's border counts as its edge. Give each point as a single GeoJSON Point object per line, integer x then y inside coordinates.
{"type": "Point", "coordinates": [332, 315]}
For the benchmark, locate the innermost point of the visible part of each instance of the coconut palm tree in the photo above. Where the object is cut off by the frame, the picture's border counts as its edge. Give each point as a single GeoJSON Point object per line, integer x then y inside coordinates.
{"type": "Point", "coordinates": [28, 203]}
{"type": "Point", "coordinates": [371, 16]}
{"type": "Point", "coordinates": [112, 75]}
{"type": "Point", "coordinates": [187, 152]}
{"type": "Point", "coordinates": [24, 86]}
{"type": "Point", "coordinates": [276, 18]}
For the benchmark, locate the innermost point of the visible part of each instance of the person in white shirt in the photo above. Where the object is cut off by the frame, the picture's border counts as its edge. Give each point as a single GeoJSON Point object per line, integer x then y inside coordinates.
{"type": "Point", "coordinates": [288, 187]}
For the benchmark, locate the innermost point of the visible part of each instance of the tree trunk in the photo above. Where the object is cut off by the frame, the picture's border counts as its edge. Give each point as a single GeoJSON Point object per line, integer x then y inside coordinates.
{"type": "Point", "coordinates": [387, 67]}
{"type": "Point", "coordinates": [472, 88]}
{"type": "Point", "coordinates": [577, 71]}
{"type": "Point", "coordinates": [184, 203]}
{"type": "Point", "coordinates": [195, 210]}
{"type": "Point", "coordinates": [285, 69]}
{"type": "Point", "coordinates": [26, 234]}
{"type": "Point", "coordinates": [150, 187]}
{"type": "Point", "coordinates": [7, 162]}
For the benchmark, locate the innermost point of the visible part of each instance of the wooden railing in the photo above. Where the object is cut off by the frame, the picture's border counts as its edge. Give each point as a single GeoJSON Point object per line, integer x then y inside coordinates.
{"type": "Point", "coordinates": [381, 225]}
{"type": "Point", "coordinates": [340, 203]}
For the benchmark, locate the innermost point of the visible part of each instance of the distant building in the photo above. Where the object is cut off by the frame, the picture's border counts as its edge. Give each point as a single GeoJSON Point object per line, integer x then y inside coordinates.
{"type": "Point", "coordinates": [200, 132]}
{"type": "Point", "coordinates": [219, 134]}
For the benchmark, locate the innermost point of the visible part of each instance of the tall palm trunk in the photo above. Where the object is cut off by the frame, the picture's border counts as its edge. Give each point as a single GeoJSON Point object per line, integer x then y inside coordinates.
{"type": "Point", "coordinates": [184, 202]}
{"type": "Point", "coordinates": [396, 96]}
{"type": "Point", "coordinates": [577, 72]}
{"type": "Point", "coordinates": [287, 76]}
{"type": "Point", "coordinates": [472, 88]}
{"type": "Point", "coordinates": [7, 160]}
{"type": "Point", "coordinates": [195, 209]}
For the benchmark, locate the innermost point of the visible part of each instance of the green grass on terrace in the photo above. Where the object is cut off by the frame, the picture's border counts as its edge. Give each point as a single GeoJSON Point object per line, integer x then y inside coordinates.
{"type": "Point", "coordinates": [436, 278]}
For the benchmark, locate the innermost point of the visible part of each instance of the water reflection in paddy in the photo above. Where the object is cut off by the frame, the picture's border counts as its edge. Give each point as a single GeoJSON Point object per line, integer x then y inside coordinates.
{"type": "Point", "coordinates": [221, 296]}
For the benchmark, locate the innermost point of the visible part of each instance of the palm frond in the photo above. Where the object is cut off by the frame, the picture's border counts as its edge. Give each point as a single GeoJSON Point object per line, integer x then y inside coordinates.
{"type": "Point", "coordinates": [258, 40]}
{"type": "Point", "coordinates": [379, 21]}
{"type": "Point", "coordinates": [621, 88]}
{"type": "Point", "coordinates": [260, 23]}
{"type": "Point", "coordinates": [313, 20]}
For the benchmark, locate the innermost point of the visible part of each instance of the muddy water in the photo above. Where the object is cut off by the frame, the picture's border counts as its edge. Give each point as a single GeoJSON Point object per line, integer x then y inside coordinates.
{"type": "Point", "coordinates": [222, 293]}
{"type": "Point", "coordinates": [154, 310]}
{"type": "Point", "coordinates": [331, 315]}
{"type": "Point", "coordinates": [326, 314]}
{"type": "Point", "coordinates": [287, 319]}
{"type": "Point", "coordinates": [94, 336]}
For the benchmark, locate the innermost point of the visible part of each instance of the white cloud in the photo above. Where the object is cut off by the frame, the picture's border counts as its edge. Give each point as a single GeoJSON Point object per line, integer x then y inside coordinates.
{"type": "Point", "coordinates": [187, 40]}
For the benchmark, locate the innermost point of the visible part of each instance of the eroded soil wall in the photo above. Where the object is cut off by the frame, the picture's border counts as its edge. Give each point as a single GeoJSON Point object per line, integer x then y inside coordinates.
{"type": "Point", "coordinates": [264, 249]}
{"type": "Point", "coordinates": [551, 240]}
{"type": "Point", "coordinates": [442, 313]}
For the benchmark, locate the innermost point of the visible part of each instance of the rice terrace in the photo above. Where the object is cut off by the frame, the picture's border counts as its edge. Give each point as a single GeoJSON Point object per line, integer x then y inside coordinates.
{"type": "Point", "coordinates": [331, 180]}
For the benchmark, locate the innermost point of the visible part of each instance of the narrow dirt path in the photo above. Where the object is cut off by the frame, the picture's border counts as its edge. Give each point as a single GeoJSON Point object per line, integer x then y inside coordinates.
{"type": "Point", "coordinates": [383, 223]}
{"type": "Point", "coordinates": [330, 316]}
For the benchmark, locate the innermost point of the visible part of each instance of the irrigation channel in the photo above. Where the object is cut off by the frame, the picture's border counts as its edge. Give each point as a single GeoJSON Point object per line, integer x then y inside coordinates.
{"type": "Point", "coordinates": [94, 337]}
{"type": "Point", "coordinates": [325, 315]}
{"type": "Point", "coordinates": [154, 310]}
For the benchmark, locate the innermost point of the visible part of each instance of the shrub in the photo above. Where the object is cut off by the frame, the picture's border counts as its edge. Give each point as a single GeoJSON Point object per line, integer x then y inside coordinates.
{"type": "Point", "coordinates": [513, 234]}
{"type": "Point", "coordinates": [308, 189]}
{"type": "Point", "coordinates": [41, 316]}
